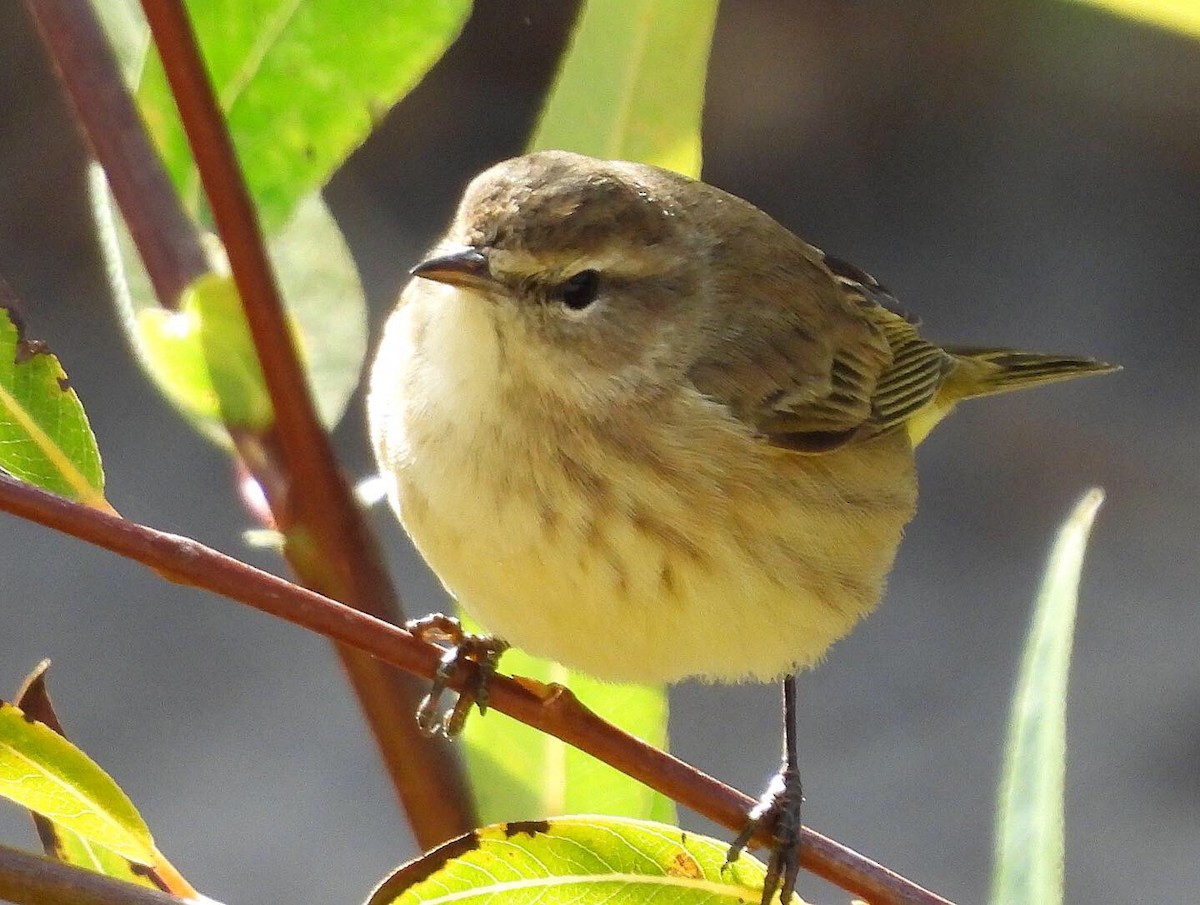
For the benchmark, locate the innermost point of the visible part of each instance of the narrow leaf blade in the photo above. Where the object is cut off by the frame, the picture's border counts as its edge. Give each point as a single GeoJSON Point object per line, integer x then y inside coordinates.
{"type": "Point", "coordinates": [64, 844]}
{"type": "Point", "coordinates": [1029, 824]}
{"type": "Point", "coordinates": [631, 86]}
{"type": "Point", "coordinates": [42, 771]}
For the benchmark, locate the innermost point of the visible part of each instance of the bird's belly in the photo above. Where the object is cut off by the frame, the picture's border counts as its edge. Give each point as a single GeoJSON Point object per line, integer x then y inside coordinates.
{"type": "Point", "coordinates": [655, 560]}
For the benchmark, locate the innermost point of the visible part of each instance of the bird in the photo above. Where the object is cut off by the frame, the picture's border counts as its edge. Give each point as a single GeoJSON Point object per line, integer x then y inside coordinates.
{"type": "Point", "coordinates": [637, 426]}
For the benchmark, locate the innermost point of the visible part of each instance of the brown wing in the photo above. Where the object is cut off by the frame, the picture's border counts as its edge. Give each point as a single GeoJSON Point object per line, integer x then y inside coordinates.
{"type": "Point", "coordinates": [839, 365]}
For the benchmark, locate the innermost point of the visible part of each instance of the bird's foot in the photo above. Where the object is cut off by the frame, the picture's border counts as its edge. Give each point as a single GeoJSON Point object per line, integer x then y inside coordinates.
{"type": "Point", "coordinates": [483, 650]}
{"type": "Point", "coordinates": [778, 810]}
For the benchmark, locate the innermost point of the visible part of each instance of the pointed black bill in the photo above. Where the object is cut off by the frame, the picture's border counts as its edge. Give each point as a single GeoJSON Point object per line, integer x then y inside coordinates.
{"type": "Point", "coordinates": [464, 266]}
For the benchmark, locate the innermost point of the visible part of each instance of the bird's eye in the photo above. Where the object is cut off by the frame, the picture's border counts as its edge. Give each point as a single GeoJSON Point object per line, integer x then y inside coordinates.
{"type": "Point", "coordinates": [580, 290]}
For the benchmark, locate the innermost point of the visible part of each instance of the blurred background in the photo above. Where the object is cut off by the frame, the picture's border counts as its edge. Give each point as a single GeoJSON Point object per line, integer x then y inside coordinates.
{"type": "Point", "coordinates": [1023, 173]}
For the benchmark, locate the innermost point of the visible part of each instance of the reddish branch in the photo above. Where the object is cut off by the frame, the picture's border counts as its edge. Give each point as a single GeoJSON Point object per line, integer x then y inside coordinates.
{"type": "Point", "coordinates": [551, 709]}
{"type": "Point", "coordinates": [328, 543]}
{"type": "Point", "coordinates": [165, 235]}
{"type": "Point", "coordinates": [27, 879]}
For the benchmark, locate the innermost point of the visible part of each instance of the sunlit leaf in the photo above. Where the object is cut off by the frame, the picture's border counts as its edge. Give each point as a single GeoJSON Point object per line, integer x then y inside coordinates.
{"type": "Point", "coordinates": [1177, 15]}
{"type": "Point", "coordinates": [321, 288]}
{"type": "Point", "coordinates": [203, 358]}
{"type": "Point", "coordinates": [64, 844]}
{"type": "Point", "coordinates": [519, 772]}
{"type": "Point", "coordinates": [1029, 824]}
{"type": "Point", "coordinates": [581, 860]}
{"type": "Point", "coordinates": [632, 83]}
{"type": "Point", "coordinates": [42, 771]}
{"type": "Point", "coordinates": [45, 437]}
{"type": "Point", "coordinates": [631, 86]}
{"type": "Point", "coordinates": [302, 83]}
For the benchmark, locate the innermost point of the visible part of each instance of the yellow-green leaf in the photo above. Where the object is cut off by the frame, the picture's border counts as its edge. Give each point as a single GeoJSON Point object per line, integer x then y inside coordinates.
{"type": "Point", "coordinates": [66, 845]}
{"type": "Point", "coordinates": [45, 437]}
{"type": "Point", "coordinates": [324, 298]}
{"type": "Point", "coordinates": [42, 771]}
{"type": "Point", "coordinates": [520, 773]}
{"type": "Point", "coordinates": [631, 86]}
{"type": "Point", "coordinates": [203, 357]}
{"type": "Point", "coordinates": [302, 83]}
{"type": "Point", "coordinates": [1029, 822]}
{"type": "Point", "coordinates": [1178, 15]}
{"type": "Point", "coordinates": [580, 860]}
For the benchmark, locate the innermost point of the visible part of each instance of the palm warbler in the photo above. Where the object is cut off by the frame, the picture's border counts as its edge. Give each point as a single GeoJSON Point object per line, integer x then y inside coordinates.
{"type": "Point", "coordinates": [638, 427]}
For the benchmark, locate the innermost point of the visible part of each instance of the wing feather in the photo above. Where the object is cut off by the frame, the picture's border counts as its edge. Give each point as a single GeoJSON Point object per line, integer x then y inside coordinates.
{"type": "Point", "coordinates": [842, 363]}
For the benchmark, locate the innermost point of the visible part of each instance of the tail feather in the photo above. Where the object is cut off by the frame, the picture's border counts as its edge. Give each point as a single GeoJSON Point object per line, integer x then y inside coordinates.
{"type": "Point", "coordinates": [985, 372]}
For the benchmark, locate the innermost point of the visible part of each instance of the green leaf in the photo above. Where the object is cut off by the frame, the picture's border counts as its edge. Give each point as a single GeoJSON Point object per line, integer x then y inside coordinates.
{"type": "Point", "coordinates": [1182, 16]}
{"type": "Point", "coordinates": [321, 289]}
{"type": "Point", "coordinates": [42, 771]}
{"type": "Point", "coordinates": [326, 302]}
{"type": "Point", "coordinates": [203, 357]}
{"type": "Point", "coordinates": [302, 83]}
{"type": "Point", "coordinates": [1029, 824]}
{"type": "Point", "coordinates": [519, 772]}
{"type": "Point", "coordinates": [45, 437]}
{"type": "Point", "coordinates": [632, 84]}
{"type": "Point", "coordinates": [59, 842]}
{"type": "Point", "coordinates": [581, 860]}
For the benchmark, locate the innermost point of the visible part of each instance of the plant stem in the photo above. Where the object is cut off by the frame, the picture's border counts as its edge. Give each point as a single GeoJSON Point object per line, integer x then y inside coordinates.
{"type": "Point", "coordinates": [27, 879]}
{"type": "Point", "coordinates": [551, 709]}
{"type": "Point", "coordinates": [328, 543]}
{"type": "Point", "coordinates": [165, 236]}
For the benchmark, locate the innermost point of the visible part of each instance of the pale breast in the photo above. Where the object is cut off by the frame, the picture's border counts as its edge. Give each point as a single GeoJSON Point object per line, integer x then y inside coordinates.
{"type": "Point", "coordinates": [642, 546]}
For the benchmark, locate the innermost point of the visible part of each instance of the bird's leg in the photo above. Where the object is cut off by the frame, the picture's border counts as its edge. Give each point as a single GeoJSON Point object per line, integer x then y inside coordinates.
{"type": "Point", "coordinates": [484, 650]}
{"type": "Point", "coordinates": [779, 809]}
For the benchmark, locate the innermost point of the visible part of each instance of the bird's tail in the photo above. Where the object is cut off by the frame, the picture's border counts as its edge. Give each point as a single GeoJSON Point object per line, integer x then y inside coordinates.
{"type": "Point", "coordinates": [985, 372]}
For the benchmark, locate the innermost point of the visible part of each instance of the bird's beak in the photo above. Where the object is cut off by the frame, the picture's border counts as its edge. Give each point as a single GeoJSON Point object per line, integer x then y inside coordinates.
{"type": "Point", "coordinates": [464, 266]}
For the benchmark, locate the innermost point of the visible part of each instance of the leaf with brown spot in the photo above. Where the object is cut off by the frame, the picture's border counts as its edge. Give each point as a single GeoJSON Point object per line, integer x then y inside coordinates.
{"type": "Point", "coordinates": [62, 843]}
{"type": "Point", "coordinates": [582, 860]}
{"type": "Point", "coordinates": [45, 438]}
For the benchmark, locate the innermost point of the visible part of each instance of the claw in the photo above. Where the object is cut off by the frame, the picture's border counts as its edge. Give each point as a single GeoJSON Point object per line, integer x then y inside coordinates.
{"type": "Point", "coordinates": [779, 809]}
{"type": "Point", "coordinates": [483, 650]}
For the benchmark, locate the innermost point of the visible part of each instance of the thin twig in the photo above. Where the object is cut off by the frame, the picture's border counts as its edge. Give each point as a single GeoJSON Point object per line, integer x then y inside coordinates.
{"type": "Point", "coordinates": [165, 236]}
{"type": "Point", "coordinates": [551, 709]}
{"type": "Point", "coordinates": [27, 879]}
{"type": "Point", "coordinates": [327, 541]}
{"type": "Point", "coordinates": [329, 547]}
